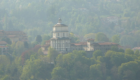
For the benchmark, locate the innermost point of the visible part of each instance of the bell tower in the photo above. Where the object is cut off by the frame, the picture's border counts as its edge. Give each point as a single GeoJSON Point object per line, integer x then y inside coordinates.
{"type": "Point", "coordinates": [60, 40]}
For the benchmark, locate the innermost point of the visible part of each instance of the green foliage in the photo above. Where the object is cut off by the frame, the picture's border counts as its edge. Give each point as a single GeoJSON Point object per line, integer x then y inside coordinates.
{"type": "Point", "coordinates": [137, 53]}
{"type": "Point", "coordinates": [39, 39]}
{"type": "Point", "coordinates": [101, 37]}
{"type": "Point", "coordinates": [97, 53]}
{"type": "Point", "coordinates": [76, 65]}
{"type": "Point", "coordinates": [129, 70]}
{"type": "Point", "coordinates": [95, 72]}
{"type": "Point", "coordinates": [115, 58]}
{"type": "Point", "coordinates": [89, 36]}
{"type": "Point", "coordinates": [6, 77]}
{"type": "Point", "coordinates": [115, 48]}
{"type": "Point", "coordinates": [26, 45]}
{"type": "Point", "coordinates": [52, 54]}
{"type": "Point", "coordinates": [116, 39]}
{"type": "Point", "coordinates": [73, 38]}
{"type": "Point", "coordinates": [36, 69]}
{"type": "Point", "coordinates": [129, 51]}
{"type": "Point", "coordinates": [6, 39]}
{"type": "Point", "coordinates": [58, 73]}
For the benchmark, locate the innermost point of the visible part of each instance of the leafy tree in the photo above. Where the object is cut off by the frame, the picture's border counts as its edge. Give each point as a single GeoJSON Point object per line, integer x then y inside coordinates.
{"type": "Point", "coordinates": [129, 51]}
{"type": "Point", "coordinates": [52, 54]}
{"type": "Point", "coordinates": [129, 70]}
{"type": "Point", "coordinates": [116, 49]}
{"type": "Point", "coordinates": [89, 36]}
{"type": "Point", "coordinates": [73, 38]}
{"type": "Point", "coordinates": [59, 74]}
{"type": "Point", "coordinates": [39, 39]}
{"type": "Point", "coordinates": [97, 53]}
{"type": "Point", "coordinates": [101, 37]}
{"type": "Point", "coordinates": [6, 39]}
{"type": "Point", "coordinates": [95, 72]}
{"type": "Point", "coordinates": [36, 69]}
{"type": "Point", "coordinates": [4, 64]}
{"type": "Point", "coordinates": [137, 53]}
{"type": "Point", "coordinates": [115, 58]}
{"type": "Point", "coordinates": [116, 39]}
{"type": "Point", "coordinates": [26, 45]}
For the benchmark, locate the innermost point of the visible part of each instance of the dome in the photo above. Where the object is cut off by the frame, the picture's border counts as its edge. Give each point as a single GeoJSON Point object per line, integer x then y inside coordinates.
{"type": "Point", "coordinates": [59, 24]}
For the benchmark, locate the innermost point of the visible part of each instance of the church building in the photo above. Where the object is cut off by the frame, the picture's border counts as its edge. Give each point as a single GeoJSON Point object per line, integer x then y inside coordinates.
{"type": "Point", "coordinates": [61, 42]}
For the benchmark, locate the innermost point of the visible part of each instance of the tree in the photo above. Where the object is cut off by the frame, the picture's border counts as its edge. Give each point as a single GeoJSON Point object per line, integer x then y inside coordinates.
{"type": "Point", "coordinates": [39, 39]}
{"type": "Point", "coordinates": [52, 54]}
{"type": "Point", "coordinates": [36, 69]}
{"type": "Point", "coordinates": [129, 70]}
{"type": "Point", "coordinates": [95, 72]}
{"type": "Point", "coordinates": [137, 53]}
{"type": "Point", "coordinates": [59, 73]}
{"type": "Point", "coordinates": [4, 64]}
{"type": "Point", "coordinates": [101, 37]}
{"type": "Point", "coordinates": [6, 39]}
{"type": "Point", "coordinates": [73, 38]}
{"type": "Point", "coordinates": [129, 51]}
{"type": "Point", "coordinates": [115, 48]}
{"type": "Point", "coordinates": [26, 45]}
{"type": "Point", "coordinates": [89, 36]}
{"type": "Point", "coordinates": [114, 58]}
{"type": "Point", "coordinates": [97, 53]}
{"type": "Point", "coordinates": [116, 39]}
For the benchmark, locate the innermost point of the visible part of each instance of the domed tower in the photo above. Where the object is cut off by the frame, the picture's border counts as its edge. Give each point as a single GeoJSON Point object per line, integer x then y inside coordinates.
{"type": "Point", "coordinates": [60, 40]}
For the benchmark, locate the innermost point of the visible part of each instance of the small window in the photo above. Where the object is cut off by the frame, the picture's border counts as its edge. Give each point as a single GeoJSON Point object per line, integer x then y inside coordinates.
{"type": "Point", "coordinates": [63, 35]}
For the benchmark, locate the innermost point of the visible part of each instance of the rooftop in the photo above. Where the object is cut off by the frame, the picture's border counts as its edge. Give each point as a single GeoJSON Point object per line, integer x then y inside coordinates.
{"type": "Point", "coordinates": [136, 48]}
{"type": "Point", "coordinates": [59, 24]}
{"type": "Point", "coordinates": [3, 42]}
{"type": "Point", "coordinates": [107, 43]}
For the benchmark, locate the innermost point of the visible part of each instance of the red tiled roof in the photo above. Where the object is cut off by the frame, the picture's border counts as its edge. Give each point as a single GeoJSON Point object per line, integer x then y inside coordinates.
{"type": "Point", "coordinates": [138, 48]}
{"type": "Point", "coordinates": [46, 45]}
{"type": "Point", "coordinates": [11, 32]}
{"type": "Point", "coordinates": [3, 42]}
{"type": "Point", "coordinates": [107, 43]}
{"type": "Point", "coordinates": [3, 46]}
{"type": "Point", "coordinates": [48, 42]}
{"type": "Point", "coordinates": [12, 36]}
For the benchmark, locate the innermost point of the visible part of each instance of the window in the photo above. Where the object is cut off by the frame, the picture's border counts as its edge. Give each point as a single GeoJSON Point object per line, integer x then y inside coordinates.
{"type": "Point", "coordinates": [58, 34]}
{"type": "Point", "coordinates": [63, 35]}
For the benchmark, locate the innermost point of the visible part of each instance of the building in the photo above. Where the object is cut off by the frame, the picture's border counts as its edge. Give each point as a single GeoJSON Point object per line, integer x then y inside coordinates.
{"type": "Point", "coordinates": [136, 48]}
{"type": "Point", "coordinates": [60, 40]}
{"type": "Point", "coordinates": [14, 36]}
{"type": "Point", "coordinates": [62, 43]}
{"type": "Point", "coordinates": [3, 47]}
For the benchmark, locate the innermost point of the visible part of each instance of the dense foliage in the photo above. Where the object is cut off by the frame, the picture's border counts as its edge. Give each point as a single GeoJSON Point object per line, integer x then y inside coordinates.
{"type": "Point", "coordinates": [115, 64]}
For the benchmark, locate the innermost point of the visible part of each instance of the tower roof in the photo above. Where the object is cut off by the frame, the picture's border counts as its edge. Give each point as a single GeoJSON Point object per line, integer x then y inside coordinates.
{"type": "Point", "coordinates": [59, 24]}
{"type": "Point", "coordinates": [59, 21]}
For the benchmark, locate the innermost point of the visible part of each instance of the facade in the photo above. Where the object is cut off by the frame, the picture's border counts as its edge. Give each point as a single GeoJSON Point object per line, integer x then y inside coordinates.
{"type": "Point", "coordinates": [60, 40]}
{"type": "Point", "coordinates": [62, 43]}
